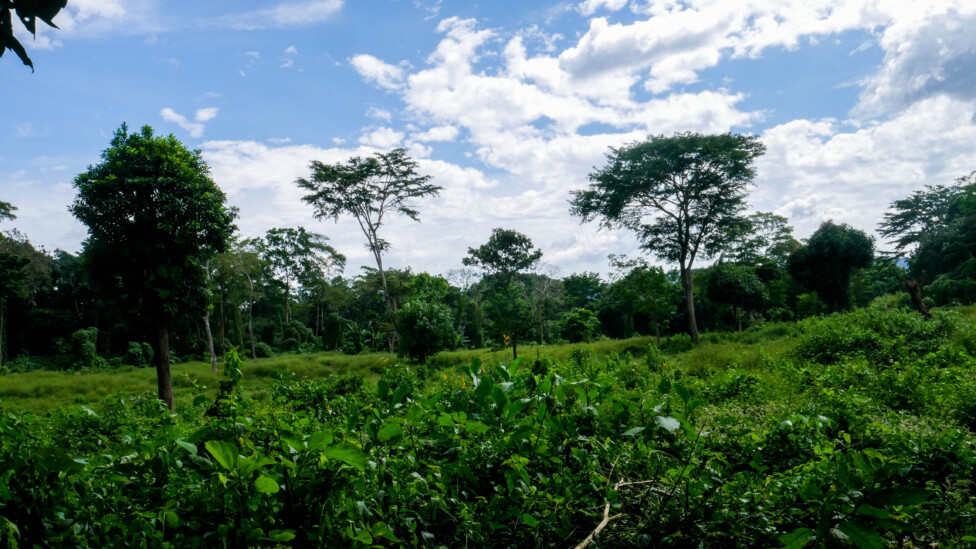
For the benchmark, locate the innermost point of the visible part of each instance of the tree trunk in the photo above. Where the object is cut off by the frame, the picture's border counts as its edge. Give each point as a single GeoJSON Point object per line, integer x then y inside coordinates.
{"type": "Point", "coordinates": [915, 291]}
{"type": "Point", "coordinates": [210, 342]}
{"type": "Point", "coordinates": [238, 329]}
{"type": "Point", "coordinates": [223, 327]}
{"type": "Point", "coordinates": [514, 347]}
{"type": "Point", "coordinates": [164, 380]}
{"type": "Point", "coordinates": [657, 333]}
{"type": "Point", "coordinates": [250, 317]}
{"type": "Point", "coordinates": [391, 307]}
{"type": "Point", "coordinates": [689, 288]}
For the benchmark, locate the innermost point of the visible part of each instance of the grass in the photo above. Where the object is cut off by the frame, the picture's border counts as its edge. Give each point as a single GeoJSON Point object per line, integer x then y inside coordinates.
{"type": "Point", "coordinates": [44, 390]}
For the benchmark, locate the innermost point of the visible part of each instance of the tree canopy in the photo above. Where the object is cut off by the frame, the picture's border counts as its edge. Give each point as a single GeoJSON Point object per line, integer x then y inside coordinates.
{"type": "Point", "coordinates": [828, 260]}
{"type": "Point", "coordinates": [682, 195]}
{"type": "Point", "coordinates": [154, 217]}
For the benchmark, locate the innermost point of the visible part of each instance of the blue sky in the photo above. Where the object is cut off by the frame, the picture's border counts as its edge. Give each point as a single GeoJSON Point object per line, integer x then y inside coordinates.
{"type": "Point", "coordinates": [508, 105]}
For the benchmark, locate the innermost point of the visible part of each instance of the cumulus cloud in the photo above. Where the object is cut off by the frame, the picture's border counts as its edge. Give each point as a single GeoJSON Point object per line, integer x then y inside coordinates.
{"type": "Point", "coordinates": [194, 128]}
{"type": "Point", "coordinates": [437, 133]}
{"type": "Point", "coordinates": [378, 113]}
{"type": "Point", "coordinates": [376, 71]}
{"type": "Point", "coordinates": [382, 138]}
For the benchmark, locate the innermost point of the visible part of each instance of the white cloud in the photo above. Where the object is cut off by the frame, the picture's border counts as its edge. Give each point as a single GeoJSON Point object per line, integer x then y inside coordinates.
{"type": "Point", "coordinates": [195, 128]}
{"type": "Point", "coordinates": [285, 14]}
{"type": "Point", "coordinates": [378, 113]}
{"type": "Point", "coordinates": [382, 138]}
{"type": "Point", "coordinates": [590, 6]}
{"type": "Point", "coordinates": [291, 50]}
{"type": "Point", "coordinates": [373, 70]}
{"type": "Point", "coordinates": [438, 133]}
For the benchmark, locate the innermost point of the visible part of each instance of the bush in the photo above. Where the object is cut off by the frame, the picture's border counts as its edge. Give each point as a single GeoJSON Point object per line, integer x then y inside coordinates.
{"type": "Point", "coordinates": [678, 343]}
{"type": "Point", "coordinates": [579, 325]}
{"type": "Point", "coordinates": [263, 350]}
{"type": "Point", "coordinates": [139, 354]}
{"type": "Point", "coordinates": [425, 327]}
{"type": "Point", "coordinates": [83, 347]}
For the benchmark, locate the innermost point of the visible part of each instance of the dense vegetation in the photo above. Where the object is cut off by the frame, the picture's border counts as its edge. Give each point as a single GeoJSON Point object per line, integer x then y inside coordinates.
{"type": "Point", "coordinates": [851, 429]}
{"type": "Point", "coordinates": [384, 409]}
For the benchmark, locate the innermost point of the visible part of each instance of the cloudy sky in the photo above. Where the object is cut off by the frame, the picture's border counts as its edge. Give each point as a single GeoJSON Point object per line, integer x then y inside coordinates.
{"type": "Point", "coordinates": [507, 104]}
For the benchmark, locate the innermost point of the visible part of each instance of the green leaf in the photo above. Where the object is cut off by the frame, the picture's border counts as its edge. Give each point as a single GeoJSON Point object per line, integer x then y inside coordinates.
{"type": "Point", "coordinates": [682, 392]}
{"type": "Point", "coordinates": [294, 440]}
{"type": "Point", "coordinates": [476, 428]}
{"type": "Point", "coordinates": [634, 431]}
{"type": "Point", "coordinates": [348, 454]}
{"type": "Point", "coordinates": [667, 422]}
{"type": "Point", "coordinates": [389, 431]}
{"type": "Point", "coordinates": [281, 535]}
{"type": "Point", "coordinates": [861, 534]}
{"type": "Point", "coordinates": [529, 520]}
{"type": "Point", "coordinates": [665, 386]}
{"type": "Point", "coordinates": [382, 389]}
{"type": "Point", "coordinates": [398, 395]}
{"type": "Point", "coordinates": [380, 529]}
{"type": "Point", "coordinates": [172, 519]}
{"type": "Point", "coordinates": [363, 537]}
{"type": "Point", "coordinates": [223, 452]}
{"type": "Point", "coordinates": [192, 448]}
{"type": "Point", "coordinates": [266, 485]}
{"type": "Point", "coordinates": [319, 440]}
{"type": "Point", "coordinates": [797, 539]}
{"type": "Point", "coordinates": [901, 496]}
{"type": "Point", "coordinates": [870, 511]}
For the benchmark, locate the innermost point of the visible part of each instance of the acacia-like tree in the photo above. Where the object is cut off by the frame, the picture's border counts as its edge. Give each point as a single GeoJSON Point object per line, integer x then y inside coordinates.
{"type": "Point", "coordinates": [28, 11]}
{"type": "Point", "coordinates": [828, 260]}
{"type": "Point", "coordinates": [369, 189]}
{"type": "Point", "coordinates": [506, 254]}
{"type": "Point", "coordinates": [682, 195]}
{"type": "Point", "coordinates": [154, 218]}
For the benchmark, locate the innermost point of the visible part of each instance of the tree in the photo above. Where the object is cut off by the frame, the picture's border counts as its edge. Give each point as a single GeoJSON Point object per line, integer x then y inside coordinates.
{"type": "Point", "coordinates": [682, 195]}
{"type": "Point", "coordinates": [13, 283]}
{"type": "Point", "coordinates": [583, 290]}
{"type": "Point", "coordinates": [7, 211]}
{"type": "Point", "coordinates": [426, 327]}
{"type": "Point", "coordinates": [28, 11]}
{"type": "Point", "coordinates": [762, 236]}
{"type": "Point", "coordinates": [828, 260]}
{"type": "Point", "coordinates": [298, 256]}
{"type": "Point", "coordinates": [924, 212]}
{"type": "Point", "coordinates": [369, 189]}
{"type": "Point", "coordinates": [644, 289]}
{"type": "Point", "coordinates": [154, 218]}
{"type": "Point", "coordinates": [737, 286]}
{"type": "Point", "coordinates": [506, 254]}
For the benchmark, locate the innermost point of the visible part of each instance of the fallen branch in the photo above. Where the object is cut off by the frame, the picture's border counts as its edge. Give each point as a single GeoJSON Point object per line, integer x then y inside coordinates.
{"type": "Point", "coordinates": [606, 512]}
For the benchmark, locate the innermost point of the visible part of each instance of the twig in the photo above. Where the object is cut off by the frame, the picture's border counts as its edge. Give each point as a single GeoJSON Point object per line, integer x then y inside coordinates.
{"type": "Point", "coordinates": [599, 528]}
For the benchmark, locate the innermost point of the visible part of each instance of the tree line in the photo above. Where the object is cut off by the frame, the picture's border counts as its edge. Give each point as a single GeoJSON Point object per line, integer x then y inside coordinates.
{"type": "Point", "coordinates": [164, 275]}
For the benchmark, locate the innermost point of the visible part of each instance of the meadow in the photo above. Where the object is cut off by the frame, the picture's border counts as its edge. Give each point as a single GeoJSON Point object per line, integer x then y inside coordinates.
{"type": "Point", "coordinates": [854, 429]}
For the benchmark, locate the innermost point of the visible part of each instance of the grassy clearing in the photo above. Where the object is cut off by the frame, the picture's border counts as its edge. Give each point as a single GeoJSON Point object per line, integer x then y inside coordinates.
{"type": "Point", "coordinates": [43, 391]}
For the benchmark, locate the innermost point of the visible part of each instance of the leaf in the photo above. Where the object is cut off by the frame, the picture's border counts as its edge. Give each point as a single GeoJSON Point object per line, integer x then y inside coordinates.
{"type": "Point", "coordinates": [380, 529]}
{"type": "Point", "coordinates": [389, 431]}
{"type": "Point", "coordinates": [382, 389]}
{"type": "Point", "coordinates": [266, 485]}
{"type": "Point", "coordinates": [665, 386]}
{"type": "Point", "coordinates": [172, 519]}
{"type": "Point", "coordinates": [223, 452]}
{"type": "Point", "coordinates": [192, 448]}
{"type": "Point", "coordinates": [901, 496]}
{"type": "Point", "coordinates": [667, 422]}
{"type": "Point", "coordinates": [862, 535]}
{"type": "Point", "coordinates": [682, 392]}
{"type": "Point", "coordinates": [634, 431]}
{"type": "Point", "coordinates": [870, 511]}
{"type": "Point", "coordinates": [348, 454]}
{"type": "Point", "coordinates": [281, 535]}
{"type": "Point", "coordinates": [398, 395]}
{"type": "Point", "coordinates": [529, 520]}
{"type": "Point", "coordinates": [476, 428]}
{"type": "Point", "coordinates": [294, 440]}
{"type": "Point", "coordinates": [319, 440]}
{"type": "Point", "coordinates": [797, 539]}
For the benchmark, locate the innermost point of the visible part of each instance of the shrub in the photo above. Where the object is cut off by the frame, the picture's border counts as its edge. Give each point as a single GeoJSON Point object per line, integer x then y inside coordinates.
{"type": "Point", "coordinates": [83, 347]}
{"type": "Point", "coordinates": [425, 327]}
{"type": "Point", "coordinates": [139, 354]}
{"type": "Point", "coordinates": [579, 325]}
{"type": "Point", "coordinates": [678, 343]}
{"type": "Point", "coordinates": [263, 350]}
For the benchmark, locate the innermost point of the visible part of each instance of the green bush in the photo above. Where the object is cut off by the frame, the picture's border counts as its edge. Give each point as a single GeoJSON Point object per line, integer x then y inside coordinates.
{"type": "Point", "coordinates": [83, 347]}
{"type": "Point", "coordinates": [678, 343]}
{"type": "Point", "coordinates": [579, 325]}
{"type": "Point", "coordinates": [425, 328]}
{"type": "Point", "coordinates": [139, 354]}
{"type": "Point", "coordinates": [263, 350]}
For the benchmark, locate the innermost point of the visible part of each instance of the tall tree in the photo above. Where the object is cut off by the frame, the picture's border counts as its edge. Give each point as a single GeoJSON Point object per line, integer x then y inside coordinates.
{"type": "Point", "coordinates": [369, 189]}
{"type": "Point", "coordinates": [154, 217]}
{"type": "Point", "coordinates": [13, 283]}
{"type": "Point", "coordinates": [294, 255]}
{"type": "Point", "coordinates": [28, 11]}
{"type": "Point", "coordinates": [7, 211]}
{"type": "Point", "coordinates": [506, 254]}
{"type": "Point", "coordinates": [828, 260]}
{"type": "Point", "coordinates": [762, 236]}
{"type": "Point", "coordinates": [682, 195]}
{"type": "Point", "coordinates": [646, 289]}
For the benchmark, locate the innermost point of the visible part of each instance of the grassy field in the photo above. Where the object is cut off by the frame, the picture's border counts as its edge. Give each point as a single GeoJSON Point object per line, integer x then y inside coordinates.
{"type": "Point", "coordinates": [44, 390]}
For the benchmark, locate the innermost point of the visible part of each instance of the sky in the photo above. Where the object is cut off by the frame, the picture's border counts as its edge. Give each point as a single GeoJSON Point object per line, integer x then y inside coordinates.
{"type": "Point", "coordinates": [508, 105]}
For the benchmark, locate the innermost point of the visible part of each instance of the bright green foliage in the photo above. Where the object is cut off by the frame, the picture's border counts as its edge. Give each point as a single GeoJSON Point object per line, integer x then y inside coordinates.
{"type": "Point", "coordinates": [682, 195]}
{"type": "Point", "coordinates": [762, 236]}
{"type": "Point", "coordinates": [298, 257]}
{"type": "Point", "coordinates": [28, 12]}
{"type": "Point", "coordinates": [506, 254]}
{"type": "Point", "coordinates": [583, 290]}
{"type": "Point", "coordinates": [425, 327]}
{"type": "Point", "coordinates": [646, 289]}
{"type": "Point", "coordinates": [579, 325]}
{"type": "Point", "coordinates": [827, 261]}
{"type": "Point", "coordinates": [154, 217]}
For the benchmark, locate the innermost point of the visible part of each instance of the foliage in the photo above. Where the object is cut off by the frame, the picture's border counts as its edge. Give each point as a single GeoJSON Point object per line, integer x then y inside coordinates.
{"type": "Point", "coordinates": [139, 354]}
{"type": "Point", "coordinates": [737, 286]}
{"type": "Point", "coordinates": [579, 325]}
{"type": "Point", "coordinates": [762, 236]}
{"type": "Point", "coordinates": [28, 12]}
{"type": "Point", "coordinates": [827, 261]}
{"type": "Point", "coordinates": [154, 217]}
{"type": "Point", "coordinates": [682, 195]}
{"type": "Point", "coordinates": [425, 327]}
{"type": "Point", "coordinates": [83, 347]}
